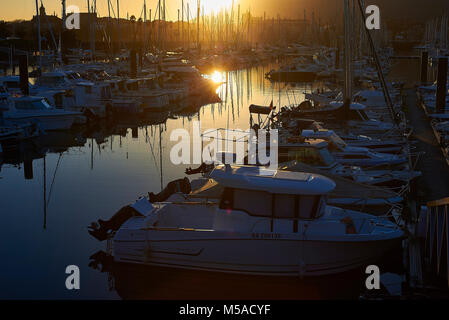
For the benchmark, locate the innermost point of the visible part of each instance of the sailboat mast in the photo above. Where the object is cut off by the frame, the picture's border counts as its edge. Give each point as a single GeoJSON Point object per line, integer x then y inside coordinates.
{"type": "Point", "coordinates": [347, 43]}
{"type": "Point", "coordinates": [118, 24]}
{"type": "Point", "coordinates": [182, 22]}
{"type": "Point", "coordinates": [39, 36]}
{"type": "Point", "coordinates": [198, 24]}
{"type": "Point", "coordinates": [144, 24]}
{"type": "Point", "coordinates": [159, 26]}
{"type": "Point", "coordinates": [94, 7]}
{"type": "Point", "coordinates": [188, 25]}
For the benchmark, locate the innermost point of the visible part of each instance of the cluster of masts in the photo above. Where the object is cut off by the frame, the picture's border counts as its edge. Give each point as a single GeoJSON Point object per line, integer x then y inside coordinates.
{"type": "Point", "coordinates": [229, 27]}
{"type": "Point", "coordinates": [436, 33]}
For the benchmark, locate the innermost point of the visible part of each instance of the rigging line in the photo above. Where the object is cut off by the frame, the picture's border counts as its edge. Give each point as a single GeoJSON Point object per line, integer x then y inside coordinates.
{"type": "Point", "coordinates": [51, 31]}
{"type": "Point", "coordinates": [152, 152]}
{"type": "Point", "coordinates": [379, 68]}
{"type": "Point", "coordinates": [54, 178]}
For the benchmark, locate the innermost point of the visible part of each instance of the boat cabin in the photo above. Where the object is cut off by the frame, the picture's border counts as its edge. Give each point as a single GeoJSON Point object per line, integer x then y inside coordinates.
{"type": "Point", "coordinates": [11, 84]}
{"type": "Point", "coordinates": [313, 152]}
{"type": "Point", "coordinates": [334, 141]}
{"type": "Point", "coordinates": [54, 80]}
{"type": "Point", "coordinates": [356, 111]}
{"type": "Point", "coordinates": [3, 95]}
{"type": "Point", "coordinates": [274, 194]}
{"type": "Point", "coordinates": [30, 103]}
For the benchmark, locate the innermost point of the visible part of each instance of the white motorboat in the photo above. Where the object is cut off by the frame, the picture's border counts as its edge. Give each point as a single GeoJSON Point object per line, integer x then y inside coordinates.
{"type": "Point", "coordinates": [267, 222]}
{"type": "Point", "coordinates": [11, 85]}
{"type": "Point", "coordinates": [31, 109]}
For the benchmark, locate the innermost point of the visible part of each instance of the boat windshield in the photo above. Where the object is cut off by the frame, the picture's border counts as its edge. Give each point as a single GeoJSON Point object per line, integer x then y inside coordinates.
{"type": "Point", "coordinates": [363, 115]}
{"type": "Point", "coordinates": [270, 205]}
{"type": "Point", "coordinates": [328, 158]}
{"type": "Point", "coordinates": [11, 84]}
{"type": "Point", "coordinates": [33, 105]}
{"type": "Point", "coordinates": [52, 81]}
{"type": "Point", "coordinates": [337, 140]}
{"type": "Point", "coordinates": [312, 156]}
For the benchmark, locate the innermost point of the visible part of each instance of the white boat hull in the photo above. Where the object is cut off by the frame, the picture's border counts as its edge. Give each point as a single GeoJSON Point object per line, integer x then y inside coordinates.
{"type": "Point", "coordinates": [250, 254]}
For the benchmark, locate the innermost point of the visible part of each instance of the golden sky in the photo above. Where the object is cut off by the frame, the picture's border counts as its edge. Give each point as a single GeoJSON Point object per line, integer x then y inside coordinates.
{"type": "Point", "coordinates": [24, 9]}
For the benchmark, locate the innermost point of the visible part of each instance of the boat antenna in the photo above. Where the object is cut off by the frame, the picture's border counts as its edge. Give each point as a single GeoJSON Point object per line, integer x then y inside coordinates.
{"type": "Point", "coordinates": [39, 36]}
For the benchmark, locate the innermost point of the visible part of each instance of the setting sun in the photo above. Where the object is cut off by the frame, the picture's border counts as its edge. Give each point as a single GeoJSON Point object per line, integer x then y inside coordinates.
{"type": "Point", "coordinates": [217, 5]}
{"type": "Point", "coordinates": [216, 77]}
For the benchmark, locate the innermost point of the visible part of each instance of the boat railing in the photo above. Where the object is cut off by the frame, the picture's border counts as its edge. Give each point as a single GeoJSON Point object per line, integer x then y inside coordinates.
{"type": "Point", "coordinates": [437, 233]}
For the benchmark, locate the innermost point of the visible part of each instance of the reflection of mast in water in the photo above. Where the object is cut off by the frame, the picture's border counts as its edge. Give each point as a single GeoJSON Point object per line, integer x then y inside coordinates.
{"type": "Point", "coordinates": [237, 82]}
{"type": "Point", "coordinates": [91, 153]}
{"type": "Point", "coordinates": [54, 178]}
{"type": "Point", "coordinates": [248, 85]}
{"type": "Point", "coordinates": [262, 74]}
{"type": "Point", "coordinates": [45, 193]}
{"type": "Point", "coordinates": [160, 154]}
{"type": "Point", "coordinates": [232, 98]}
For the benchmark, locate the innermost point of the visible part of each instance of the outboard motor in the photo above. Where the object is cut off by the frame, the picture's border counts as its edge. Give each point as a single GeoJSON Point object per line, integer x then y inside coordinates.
{"type": "Point", "coordinates": [102, 230]}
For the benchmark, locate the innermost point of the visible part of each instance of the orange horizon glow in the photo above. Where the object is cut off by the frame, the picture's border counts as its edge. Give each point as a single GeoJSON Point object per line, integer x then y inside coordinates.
{"type": "Point", "coordinates": [26, 9]}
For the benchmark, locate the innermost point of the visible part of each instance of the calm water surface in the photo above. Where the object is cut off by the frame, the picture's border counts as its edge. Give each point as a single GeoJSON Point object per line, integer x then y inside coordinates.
{"type": "Point", "coordinates": [80, 176]}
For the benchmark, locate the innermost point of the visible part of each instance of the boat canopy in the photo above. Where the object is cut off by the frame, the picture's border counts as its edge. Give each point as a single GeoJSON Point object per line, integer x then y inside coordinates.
{"type": "Point", "coordinates": [272, 181]}
{"type": "Point", "coordinates": [260, 109]}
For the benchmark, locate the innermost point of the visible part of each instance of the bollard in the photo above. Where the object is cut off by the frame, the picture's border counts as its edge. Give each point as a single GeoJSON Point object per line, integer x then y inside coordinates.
{"type": "Point", "coordinates": [28, 169]}
{"type": "Point", "coordinates": [441, 85]}
{"type": "Point", "coordinates": [133, 65]}
{"type": "Point", "coordinates": [23, 70]}
{"type": "Point", "coordinates": [337, 58]}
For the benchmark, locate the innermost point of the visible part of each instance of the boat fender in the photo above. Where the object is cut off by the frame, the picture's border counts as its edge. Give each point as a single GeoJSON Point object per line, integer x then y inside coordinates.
{"type": "Point", "coordinates": [180, 185]}
{"type": "Point", "coordinates": [350, 226]}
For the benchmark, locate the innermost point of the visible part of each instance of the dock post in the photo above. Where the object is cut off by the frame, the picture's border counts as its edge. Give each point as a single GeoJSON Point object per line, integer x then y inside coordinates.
{"type": "Point", "coordinates": [424, 64]}
{"type": "Point", "coordinates": [140, 53]}
{"type": "Point", "coordinates": [23, 70]}
{"type": "Point", "coordinates": [28, 169]}
{"type": "Point", "coordinates": [337, 58]}
{"type": "Point", "coordinates": [133, 62]}
{"type": "Point", "coordinates": [441, 85]}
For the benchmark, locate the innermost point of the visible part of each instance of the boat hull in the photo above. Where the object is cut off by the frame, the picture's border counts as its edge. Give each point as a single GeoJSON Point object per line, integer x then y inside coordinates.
{"type": "Point", "coordinates": [292, 76]}
{"type": "Point", "coordinates": [46, 122]}
{"type": "Point", "coordinates": [252, 254]}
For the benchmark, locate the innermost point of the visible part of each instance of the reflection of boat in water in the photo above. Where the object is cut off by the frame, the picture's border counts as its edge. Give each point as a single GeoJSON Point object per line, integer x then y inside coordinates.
{"type": "Point", "coordinates": [26, 109]}
{"type": "Point", "coordinates": [132, 281]}
{"type": "Point", "coordinates": [284, 213]}
{"type": "Point", "coordinates": [193, 107]}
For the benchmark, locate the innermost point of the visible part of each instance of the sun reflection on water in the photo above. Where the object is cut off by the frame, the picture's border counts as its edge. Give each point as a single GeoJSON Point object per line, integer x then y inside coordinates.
{"type": "Point", "coordinates": [217, 77]}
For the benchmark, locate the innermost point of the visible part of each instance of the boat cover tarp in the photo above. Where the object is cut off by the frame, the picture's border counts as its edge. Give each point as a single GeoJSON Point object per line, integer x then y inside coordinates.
{"type": "Point", "coordinates": [344, 188]}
